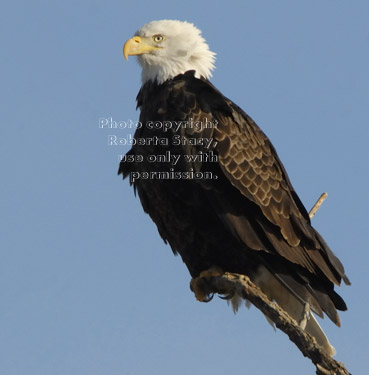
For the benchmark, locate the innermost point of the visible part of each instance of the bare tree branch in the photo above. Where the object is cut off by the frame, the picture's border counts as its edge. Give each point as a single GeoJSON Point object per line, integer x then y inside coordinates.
{"type": "Point", "coordinates": [229, 284]}
{"type": "Point", "coordinates": [317, 205]}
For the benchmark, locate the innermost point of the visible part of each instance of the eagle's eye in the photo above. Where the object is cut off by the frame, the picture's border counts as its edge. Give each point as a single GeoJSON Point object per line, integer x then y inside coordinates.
{"type": "Point", "coordinates": [158, 38]}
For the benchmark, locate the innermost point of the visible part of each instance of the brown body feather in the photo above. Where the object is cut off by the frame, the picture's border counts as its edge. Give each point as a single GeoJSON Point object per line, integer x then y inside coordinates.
{"type": "Point", "coordinates": [250, 216]}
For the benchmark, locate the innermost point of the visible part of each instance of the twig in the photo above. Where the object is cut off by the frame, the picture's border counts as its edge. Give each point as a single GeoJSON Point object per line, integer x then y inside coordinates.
{"type": "Point", "coordinates": [228, 284]}
{"type": "Point", "coordinates": [317, 205]}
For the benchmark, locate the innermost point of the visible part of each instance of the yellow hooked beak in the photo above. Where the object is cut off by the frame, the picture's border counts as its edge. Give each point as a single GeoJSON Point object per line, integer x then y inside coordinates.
{"type": "Point", "coordinates": [138, 46]}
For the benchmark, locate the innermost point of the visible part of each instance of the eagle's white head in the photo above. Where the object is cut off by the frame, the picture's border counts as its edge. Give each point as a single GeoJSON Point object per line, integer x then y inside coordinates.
{"type": "Point", "coordinates": [167, 48]}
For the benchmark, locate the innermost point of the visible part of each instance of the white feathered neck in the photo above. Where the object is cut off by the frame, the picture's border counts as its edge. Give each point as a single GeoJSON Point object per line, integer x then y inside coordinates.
{"type": "Point", "coordinates": [182, 49]}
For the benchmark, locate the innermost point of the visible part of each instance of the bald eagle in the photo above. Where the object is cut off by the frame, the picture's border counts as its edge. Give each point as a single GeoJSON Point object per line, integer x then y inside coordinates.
{"type": "Point", "coordinates": [214, 185]}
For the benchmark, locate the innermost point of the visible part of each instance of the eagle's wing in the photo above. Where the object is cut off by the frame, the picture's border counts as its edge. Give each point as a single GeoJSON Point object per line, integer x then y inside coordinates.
{"type": "Point", "coordinates": [248, 161]}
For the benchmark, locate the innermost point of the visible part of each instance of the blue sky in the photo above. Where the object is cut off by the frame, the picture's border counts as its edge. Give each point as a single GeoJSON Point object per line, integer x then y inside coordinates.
{"type": "Point", "coordinates": [86, 284]}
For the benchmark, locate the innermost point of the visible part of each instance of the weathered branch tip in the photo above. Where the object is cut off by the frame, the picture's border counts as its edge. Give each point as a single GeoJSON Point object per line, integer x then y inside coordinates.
{"type": "Point", "coordinates": [227, 284]}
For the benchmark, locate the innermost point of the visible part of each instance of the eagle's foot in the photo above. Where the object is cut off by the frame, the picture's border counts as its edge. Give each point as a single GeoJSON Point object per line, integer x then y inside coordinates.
{"type": "Point", "coordinates": [199, 284]}
{"type": "Point", "coordinates": [305, 316]}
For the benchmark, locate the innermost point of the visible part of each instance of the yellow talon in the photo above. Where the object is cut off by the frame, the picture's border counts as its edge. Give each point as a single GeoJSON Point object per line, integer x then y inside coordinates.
{"type": "Point", "coordinates": [198, 285]}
